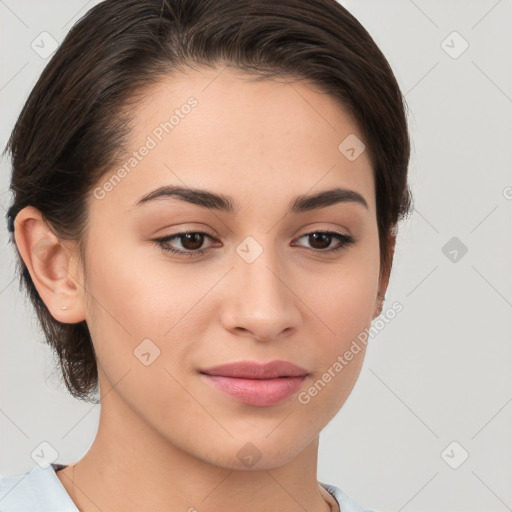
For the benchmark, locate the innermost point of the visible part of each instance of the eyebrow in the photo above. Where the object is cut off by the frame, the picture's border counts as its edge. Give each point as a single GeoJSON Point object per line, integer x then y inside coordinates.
{"type": "Point", "coordinates": [223, 203]}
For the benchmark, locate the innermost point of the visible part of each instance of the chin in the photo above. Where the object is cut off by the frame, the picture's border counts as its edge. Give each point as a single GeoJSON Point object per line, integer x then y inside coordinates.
{"type": "Point", "coordinates": [258, 454]}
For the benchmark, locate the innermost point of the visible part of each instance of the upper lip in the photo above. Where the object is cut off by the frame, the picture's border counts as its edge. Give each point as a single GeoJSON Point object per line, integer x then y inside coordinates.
{"type": "Point", "coordinates": [253, 370]}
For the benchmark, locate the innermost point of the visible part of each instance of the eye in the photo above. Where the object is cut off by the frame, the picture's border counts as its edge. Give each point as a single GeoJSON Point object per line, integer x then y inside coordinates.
{"type": "Point", "coordinates": [324, 239]}
{"type": "Point", "coordinates": [192, 241]}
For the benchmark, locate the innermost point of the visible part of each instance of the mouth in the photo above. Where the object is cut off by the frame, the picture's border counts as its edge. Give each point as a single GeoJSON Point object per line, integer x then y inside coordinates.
{"type": "Point", "coordinates": [256, 384]}
{"type": "Point", "coordinates": [254, 370]}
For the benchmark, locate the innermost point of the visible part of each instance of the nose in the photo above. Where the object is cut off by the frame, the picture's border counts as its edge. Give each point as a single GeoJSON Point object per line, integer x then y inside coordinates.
{"type": "Point", "coordinates": [260, 301]}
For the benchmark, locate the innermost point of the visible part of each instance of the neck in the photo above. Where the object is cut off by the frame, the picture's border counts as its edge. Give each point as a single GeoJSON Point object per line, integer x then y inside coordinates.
{"type": "Point", "coordinates": [131, 467]}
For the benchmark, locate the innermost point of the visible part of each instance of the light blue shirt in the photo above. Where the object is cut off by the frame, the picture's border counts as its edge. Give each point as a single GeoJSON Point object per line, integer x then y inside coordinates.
{"type": "Point", "coordinates": [40, 490]}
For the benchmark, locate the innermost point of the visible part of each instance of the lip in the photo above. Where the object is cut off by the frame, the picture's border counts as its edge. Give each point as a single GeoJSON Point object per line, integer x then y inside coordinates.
{"type": "Point", "coordinates": [256, 384]}
{"type": "Point", "coordinates": [253, 370]}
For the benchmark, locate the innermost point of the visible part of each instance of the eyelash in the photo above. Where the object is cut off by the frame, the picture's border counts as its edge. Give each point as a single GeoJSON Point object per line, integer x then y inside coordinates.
{"type": "Point", "coordinates": [344, 240]}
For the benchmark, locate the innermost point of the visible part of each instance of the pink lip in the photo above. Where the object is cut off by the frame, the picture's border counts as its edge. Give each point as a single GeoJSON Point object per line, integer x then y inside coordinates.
{"type": "Point", "coordinates": [257, 384]}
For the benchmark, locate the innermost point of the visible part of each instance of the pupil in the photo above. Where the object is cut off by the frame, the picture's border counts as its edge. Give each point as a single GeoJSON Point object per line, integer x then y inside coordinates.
{"type": "Point", "coordinates": [190, 237]}
{"type": "Point", "coordinates": [316, 236]}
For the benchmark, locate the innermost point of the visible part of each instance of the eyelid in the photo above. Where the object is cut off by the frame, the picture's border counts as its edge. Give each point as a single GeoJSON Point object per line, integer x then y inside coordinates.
{"type": "Point", "coordinates": [161, 241]}
{"type": "Point", "coordinates": [344, 240]}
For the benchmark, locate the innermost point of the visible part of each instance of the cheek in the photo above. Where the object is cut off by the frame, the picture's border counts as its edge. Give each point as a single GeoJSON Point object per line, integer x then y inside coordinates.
{"type": "Point", "coordinates": [119, 313]}
{"type": "Point", "coordinates": [131, 294]}
{"type": "Point", "coordinates": [131, 300]}
{"type": "Point", "coordinates": [343, 302]}
{"type": "Point", "coordinates": [344, 298]}
{"type": "Point", "coordinates": [338, 341]}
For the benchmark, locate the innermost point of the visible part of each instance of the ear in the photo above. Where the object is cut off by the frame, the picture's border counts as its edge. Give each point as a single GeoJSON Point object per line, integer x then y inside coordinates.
{"type": "Point", "coordinates": [385, 273]}
{"type": "Point", "coordinates": [52, 264]}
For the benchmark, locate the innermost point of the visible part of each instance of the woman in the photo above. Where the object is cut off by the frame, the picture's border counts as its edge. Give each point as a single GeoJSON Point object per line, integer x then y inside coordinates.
{"type": "Point", "coordinates": [206, 196]}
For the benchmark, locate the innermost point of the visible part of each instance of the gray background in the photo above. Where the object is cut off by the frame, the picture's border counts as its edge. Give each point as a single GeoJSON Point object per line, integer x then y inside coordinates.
{"type": "Point", "coordinates": [440, 371]}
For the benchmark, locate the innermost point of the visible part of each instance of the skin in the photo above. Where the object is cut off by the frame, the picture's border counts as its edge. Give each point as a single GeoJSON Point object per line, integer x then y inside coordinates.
{"type": "Point", "coordinates": [165, 435]}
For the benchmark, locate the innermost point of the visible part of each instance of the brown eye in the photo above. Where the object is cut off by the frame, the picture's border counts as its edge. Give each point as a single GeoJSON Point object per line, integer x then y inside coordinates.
{"type": "Point", "coordinates": [321, 240]}
{"type": "Point", "coordinates": [192, 241]}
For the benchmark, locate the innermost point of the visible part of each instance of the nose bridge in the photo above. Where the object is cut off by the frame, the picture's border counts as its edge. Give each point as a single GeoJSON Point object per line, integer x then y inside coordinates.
{"type": "Point", "coordinates": [259, 269]}
{"type": "Point", "coordinates": [264, 303]}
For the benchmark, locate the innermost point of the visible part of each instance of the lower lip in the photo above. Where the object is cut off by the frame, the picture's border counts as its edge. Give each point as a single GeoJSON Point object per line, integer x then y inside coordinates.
{"type": "Point", "coordinates": [257, 391]}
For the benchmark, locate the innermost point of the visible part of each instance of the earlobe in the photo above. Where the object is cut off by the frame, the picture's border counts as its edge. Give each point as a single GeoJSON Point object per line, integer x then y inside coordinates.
{"type": "Point", "coordinates": [51, 265]}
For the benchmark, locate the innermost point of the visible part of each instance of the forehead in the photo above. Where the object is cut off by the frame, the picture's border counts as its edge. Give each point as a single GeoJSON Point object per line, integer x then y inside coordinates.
{"type": "Point", "coordinates": [217, 129]}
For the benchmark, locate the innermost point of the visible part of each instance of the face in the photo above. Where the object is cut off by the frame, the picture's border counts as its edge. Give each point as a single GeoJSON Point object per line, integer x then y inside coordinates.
{"type": "Point", "coordinates": [256, 282]}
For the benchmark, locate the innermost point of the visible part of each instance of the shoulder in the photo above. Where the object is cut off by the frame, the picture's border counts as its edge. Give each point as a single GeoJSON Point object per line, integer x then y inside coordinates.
{"type": "Point", "coordinates": [38, 490]}
{"type": "Point", "coordinates": [344, 501]}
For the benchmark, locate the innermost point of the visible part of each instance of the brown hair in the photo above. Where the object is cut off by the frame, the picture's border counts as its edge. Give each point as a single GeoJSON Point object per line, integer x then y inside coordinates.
{"type": "Point", "coordinates": [74, 124]}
